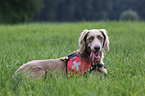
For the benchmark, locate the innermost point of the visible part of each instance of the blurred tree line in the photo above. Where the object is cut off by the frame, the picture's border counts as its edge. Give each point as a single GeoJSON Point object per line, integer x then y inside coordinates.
{"type": "Point", "coordinates": [18, 11]}
{"type": "Point", "coordinates": [13, 11]}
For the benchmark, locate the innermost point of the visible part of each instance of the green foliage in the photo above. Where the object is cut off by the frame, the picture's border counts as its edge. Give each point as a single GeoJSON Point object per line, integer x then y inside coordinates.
{"type": "Point", "coordinates": [125, 60]}
{"type": "Point", "coordinates": [18, 11]}
{"type": "Point", "coordinates": [129, 15]}
{"type": "Point", "coordinates": [73, 10]}
{"type": "Point", "coordinates": [88, 10]}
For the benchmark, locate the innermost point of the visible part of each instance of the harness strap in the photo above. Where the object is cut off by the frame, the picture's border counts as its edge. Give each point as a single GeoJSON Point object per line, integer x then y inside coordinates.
{"type": "Point", "coordinates": [96, 66]}
{"type": "Point", "coordinates": [71, 55]}
{"type": "Point", "coordinates": [101, 65]}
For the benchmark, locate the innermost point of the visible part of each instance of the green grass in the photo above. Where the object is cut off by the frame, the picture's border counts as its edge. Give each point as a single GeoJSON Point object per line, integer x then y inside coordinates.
{"type": "Point", "coordinates": [24, 42]}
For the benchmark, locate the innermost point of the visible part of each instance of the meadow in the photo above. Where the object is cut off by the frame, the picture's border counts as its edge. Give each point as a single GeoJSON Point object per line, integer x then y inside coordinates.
{"type": "Point", "coordinates": [25, 42]}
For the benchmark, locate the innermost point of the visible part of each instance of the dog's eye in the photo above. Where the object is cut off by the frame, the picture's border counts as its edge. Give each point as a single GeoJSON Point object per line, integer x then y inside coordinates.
{"type": "Point", "coordinates": [91, 38]}
{"type": "Point", "coordinates": [100, 38]}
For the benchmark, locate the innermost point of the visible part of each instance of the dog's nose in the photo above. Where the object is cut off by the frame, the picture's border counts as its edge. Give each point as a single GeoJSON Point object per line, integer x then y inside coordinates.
{"type": "Point", "coordinates": [97, 48]}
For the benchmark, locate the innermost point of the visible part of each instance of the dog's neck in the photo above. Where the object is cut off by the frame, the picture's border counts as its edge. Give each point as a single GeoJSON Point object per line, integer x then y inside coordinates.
{"type": "Point", "coordinates": [86, 55]}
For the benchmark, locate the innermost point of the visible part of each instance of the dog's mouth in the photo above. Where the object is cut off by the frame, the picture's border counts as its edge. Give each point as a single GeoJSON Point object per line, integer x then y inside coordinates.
{"type": "Point", "coordinates": [94, 56]}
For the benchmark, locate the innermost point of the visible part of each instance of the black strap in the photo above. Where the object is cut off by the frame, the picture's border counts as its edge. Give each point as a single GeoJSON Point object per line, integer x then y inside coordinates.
{"type": "Point", "coordinates": [93, 67]}
{"type": "Point", "coordinates": [101, 65]}
{"type": "Point", "coordinates": [69, 57]}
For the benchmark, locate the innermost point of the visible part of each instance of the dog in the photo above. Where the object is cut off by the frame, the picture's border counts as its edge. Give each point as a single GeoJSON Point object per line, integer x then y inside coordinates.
{"type": "Point", "coordinates": [91, 43]}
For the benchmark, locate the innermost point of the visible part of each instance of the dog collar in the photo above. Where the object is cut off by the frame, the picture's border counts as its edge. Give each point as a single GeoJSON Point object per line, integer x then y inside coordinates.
{"type": "Point", "coordinates": [75, 65]}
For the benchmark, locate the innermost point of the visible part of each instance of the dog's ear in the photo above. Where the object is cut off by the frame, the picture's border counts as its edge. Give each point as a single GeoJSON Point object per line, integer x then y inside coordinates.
{"type": "Point", "coordinates": [82, 40]}
{"type": "Point", "coordinates": [106, 39]}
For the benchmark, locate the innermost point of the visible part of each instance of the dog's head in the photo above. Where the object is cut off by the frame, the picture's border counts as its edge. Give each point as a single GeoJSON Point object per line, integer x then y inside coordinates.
{"type": "Point", "coordinates": [93, 41]}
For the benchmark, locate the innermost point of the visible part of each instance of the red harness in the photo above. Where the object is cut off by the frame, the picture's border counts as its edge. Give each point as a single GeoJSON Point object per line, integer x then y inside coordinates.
{"type": "Point", "coordinates": [76, 66]}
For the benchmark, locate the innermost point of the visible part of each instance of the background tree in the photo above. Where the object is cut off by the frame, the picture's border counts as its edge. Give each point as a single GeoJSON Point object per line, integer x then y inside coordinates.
{"type": "Point", "coordinates": [129, 15]}
{"type": "Point", "coordinates": [73, 10]}
{"type": "Point", "coordinates": [15, 11]}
